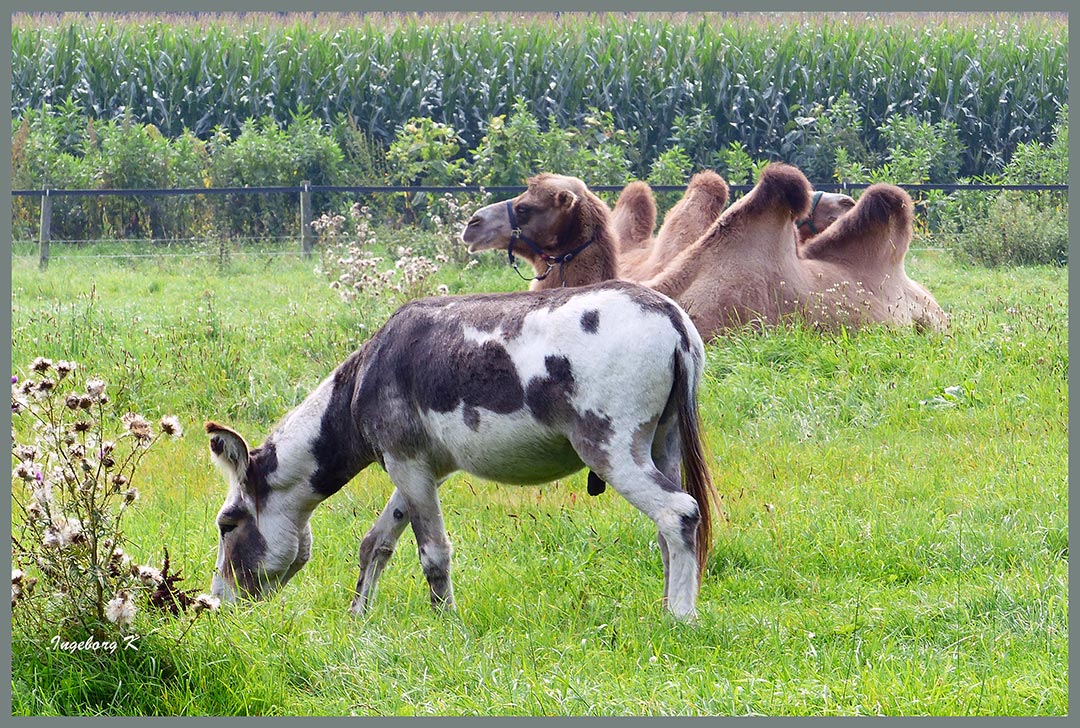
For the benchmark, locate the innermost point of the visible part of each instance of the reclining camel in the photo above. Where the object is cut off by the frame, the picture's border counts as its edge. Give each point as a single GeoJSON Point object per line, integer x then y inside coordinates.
{"type": "Point", "coordinates": [825, 209]}
{"type": "Point", "coordinates": [859, 260]}
{"type": "Point", "coordinates": [745, 269]}
{"type": "Point", "coordinates": [640, 255]}
{"type": "Point", "coordinates": [634, 217]}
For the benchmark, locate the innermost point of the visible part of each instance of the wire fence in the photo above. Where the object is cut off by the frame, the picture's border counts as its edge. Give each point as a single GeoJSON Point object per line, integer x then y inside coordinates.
{"type": "Point", "coordinates": [304, 191]}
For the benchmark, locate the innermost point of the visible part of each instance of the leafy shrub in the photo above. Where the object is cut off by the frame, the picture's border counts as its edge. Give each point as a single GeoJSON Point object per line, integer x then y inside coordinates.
{"type": "Point", "coordinates": [736, 165]}
{"type": "Point", "coordinates": [1016, 232]}
{"type": "Point", "coordinates": [47, 151]}
{"type": "Point", "coordinates": [670, 168]}
{"type": "Point", "coordinates": [695, 133]}
{"type": "Point", "coordinates": [933, 151]}
{"type": "Point", "coordinates": [829, 139]}
{"type": "Point", "coordinates": [265, 154]}
{"type": "Point", "coordinates": [426, 153]}
{"type": "Point", "coordinates": [510, 150]}
{"type": "Point", "coordinates": [1014, 227]}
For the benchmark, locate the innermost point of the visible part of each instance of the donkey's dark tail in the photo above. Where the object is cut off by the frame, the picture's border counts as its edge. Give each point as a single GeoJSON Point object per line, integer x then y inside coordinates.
{"type": "Point", "coordinates": [695, 473]}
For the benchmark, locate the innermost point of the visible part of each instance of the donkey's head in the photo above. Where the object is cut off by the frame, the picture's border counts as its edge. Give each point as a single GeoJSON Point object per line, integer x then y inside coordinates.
{"type": "Point", "coordinates": [265, 534]}
{"type": "Point", "coordinates": [555, 212]}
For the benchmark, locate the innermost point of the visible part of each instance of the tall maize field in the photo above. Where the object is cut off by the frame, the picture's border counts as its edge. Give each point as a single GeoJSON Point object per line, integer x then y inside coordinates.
{"type": "Point", "coordinates": [999, 77]}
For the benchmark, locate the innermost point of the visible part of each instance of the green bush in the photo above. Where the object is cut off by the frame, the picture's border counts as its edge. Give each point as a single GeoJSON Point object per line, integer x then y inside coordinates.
{"type": "Point", "coordinates": [829, 139]}
{"type": "Point", "coordinates": [267, 155]}
{"type": "Point", "coordinates": [510, 150]}
{"type": "Point", "coordinates": [426, 153]}
{"type": "Point", "coordinates": [47, 149]}
{"type": "Point", "coordinates": [1015, 232]}
{"type": "Point", "coordinates": [1017, 227]}
{"type": "Point", "coordinates": [672, 167]}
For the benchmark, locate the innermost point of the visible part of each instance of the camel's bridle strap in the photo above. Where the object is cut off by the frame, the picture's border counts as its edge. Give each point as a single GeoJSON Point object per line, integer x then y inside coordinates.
{"type": "Point", "coordinates": [551, 260]}
{"type": "Point", "coordinates": [809, 219]}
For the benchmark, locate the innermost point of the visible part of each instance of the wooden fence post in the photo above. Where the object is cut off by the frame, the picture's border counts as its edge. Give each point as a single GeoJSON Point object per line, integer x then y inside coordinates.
{"type": "Point", "coordinates": [46, 230]}
{"type": "Point", "coordinates": [306, 233]}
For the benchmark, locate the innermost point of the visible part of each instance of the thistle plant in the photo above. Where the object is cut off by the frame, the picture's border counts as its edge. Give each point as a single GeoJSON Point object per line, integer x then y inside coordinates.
{"type": "Point", "coordinates": [73, 484]}
{"type": "Point", "coordinates": [448, 217]}
{"type": "Point", "coordinates": [357, 273]}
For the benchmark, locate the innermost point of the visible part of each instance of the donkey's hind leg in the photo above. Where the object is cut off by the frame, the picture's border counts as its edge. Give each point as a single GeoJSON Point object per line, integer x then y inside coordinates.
{"type": "Point", "coordinates": [376, 548]}
{"type": "Point", "coordinates": [419, 487]}
{"type": "Point", "coordinates": [676, 515]}
{"type": "Point", "coordinates": [666, 456]}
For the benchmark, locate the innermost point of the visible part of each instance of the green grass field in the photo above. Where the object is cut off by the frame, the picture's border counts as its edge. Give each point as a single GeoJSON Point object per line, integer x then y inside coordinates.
{"type": "Point", "coordinates": [891, 544]}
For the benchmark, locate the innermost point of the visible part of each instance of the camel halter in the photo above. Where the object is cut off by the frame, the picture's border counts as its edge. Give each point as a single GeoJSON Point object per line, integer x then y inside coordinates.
{"type": "Point", "coordinates": [551, 260]}
{"type": "Point", "coordinates": [809, 219]}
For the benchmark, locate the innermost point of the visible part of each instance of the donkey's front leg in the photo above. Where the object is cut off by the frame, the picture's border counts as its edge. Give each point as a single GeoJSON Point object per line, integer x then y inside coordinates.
{"type": "Point", "coordinates": [420, 488]}
{"type": "Point", "coordinates": [376, 548]}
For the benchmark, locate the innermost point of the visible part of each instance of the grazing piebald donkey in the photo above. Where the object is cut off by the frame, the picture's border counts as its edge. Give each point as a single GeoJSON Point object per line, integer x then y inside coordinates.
{"type": "Point", "coordinates": [520, 388]}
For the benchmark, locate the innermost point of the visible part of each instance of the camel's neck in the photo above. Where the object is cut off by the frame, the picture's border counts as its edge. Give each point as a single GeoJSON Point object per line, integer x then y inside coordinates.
{"type": "Point", "coordinates": [595, 263]}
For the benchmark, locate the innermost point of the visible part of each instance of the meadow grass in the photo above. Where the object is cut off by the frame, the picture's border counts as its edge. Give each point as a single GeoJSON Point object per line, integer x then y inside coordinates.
{"type": "Point", "coordinates": [894, 538]}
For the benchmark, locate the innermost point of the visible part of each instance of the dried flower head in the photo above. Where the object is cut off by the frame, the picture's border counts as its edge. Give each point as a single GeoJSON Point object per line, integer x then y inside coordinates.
{"type": "Point", "coordinates": [41, 365]}
{"type": "Point", "coordinates": [25, 453]}
{"type": "Point", "coordinates": [170, 425]}
{"type": "Point", "coordinates": [130, 496]}
{"type": "Point", "coordinates": [72, 401]}
{"type": "Point", "coordinates": [206, 602]}
{"type": "Point", "coordinates": [95, 388]}
{"type": "Point", "coordinates": [148, 575]}
{"type": "Point", "coordinates": [63, 368]}
{"type": "Point", "coordinates": [121, 609]}
{"type": "Point", "coordinates": [63, 532]}
{"type": "Point", "coordinates": [138, 426]}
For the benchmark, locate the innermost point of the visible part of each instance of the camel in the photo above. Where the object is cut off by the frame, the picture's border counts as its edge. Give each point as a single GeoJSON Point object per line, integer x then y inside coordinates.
{"type": "Point", "coordinates": [857, 265]}
{"type": "Point", "coordinates": [745, 268]}
{"type": "Point", "coordinates": [640, 255]}
{"type": "Point", "coordinates": [558, 225]}
{"type": "Point", "coordinates": [825, 209]}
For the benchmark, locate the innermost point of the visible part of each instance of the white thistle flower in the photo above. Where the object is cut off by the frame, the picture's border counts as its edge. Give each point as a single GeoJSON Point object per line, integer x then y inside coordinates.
{"type": "Point", "coordinates": [121, 609]}
{"type": "Point", "coordinates": [149, 576]}
{"type": "Point", "coordinates": [95, 387]}
{"type": "Point", "coordinates": [206, 602]}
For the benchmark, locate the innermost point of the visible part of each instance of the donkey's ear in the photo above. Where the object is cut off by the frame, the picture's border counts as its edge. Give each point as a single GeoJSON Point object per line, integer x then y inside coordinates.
{"type": "Point", "coordinates": [565, 199]}
{"type": "Point", "coordinates": [228, 450]}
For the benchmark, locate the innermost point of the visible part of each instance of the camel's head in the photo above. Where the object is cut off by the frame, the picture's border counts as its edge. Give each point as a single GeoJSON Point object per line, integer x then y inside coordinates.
{"type": "Point", "coordinates": [553, 212]}
{"type": "Point", "coordinates": [825, 209]}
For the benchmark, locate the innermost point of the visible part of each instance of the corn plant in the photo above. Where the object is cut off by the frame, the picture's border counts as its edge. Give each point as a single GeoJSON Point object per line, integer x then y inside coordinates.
{"type": "Point", "coordinates": [999, 78]}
